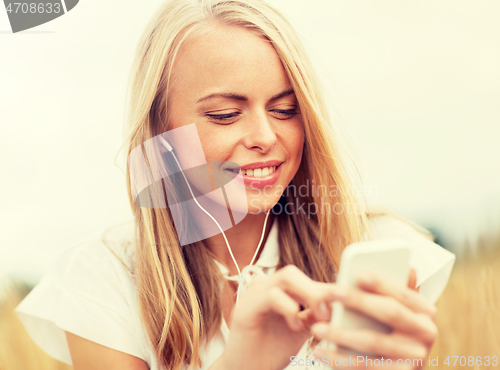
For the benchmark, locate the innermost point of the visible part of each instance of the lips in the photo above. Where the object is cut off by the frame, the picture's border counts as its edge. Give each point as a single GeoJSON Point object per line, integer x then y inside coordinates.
{"type": "Point", "coordinates": [256, 165]}
{"type": "Point", "coordinates": [260, 174]}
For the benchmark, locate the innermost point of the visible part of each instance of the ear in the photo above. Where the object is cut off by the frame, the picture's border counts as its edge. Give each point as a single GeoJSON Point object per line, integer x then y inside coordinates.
{"type": "Point", "coordinates": [412, 281]}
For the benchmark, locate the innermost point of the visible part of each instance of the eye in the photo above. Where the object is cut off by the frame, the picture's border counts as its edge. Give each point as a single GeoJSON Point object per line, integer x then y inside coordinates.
{"type": "Point", "coordinates": [223, 119]}
{"type": "Point", "coordinates": [285, 114]}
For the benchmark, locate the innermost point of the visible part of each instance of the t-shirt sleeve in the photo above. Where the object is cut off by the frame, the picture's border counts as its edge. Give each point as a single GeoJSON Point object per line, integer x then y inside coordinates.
{"type": "Point", "coordinates": [87, 292]}
{"type": "Point", "coordinates": [432, 263]}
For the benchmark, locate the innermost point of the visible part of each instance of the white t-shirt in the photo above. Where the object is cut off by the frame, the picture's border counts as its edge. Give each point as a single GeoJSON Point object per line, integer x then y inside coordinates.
{"type": "Point", "coordinates": [90, 293]}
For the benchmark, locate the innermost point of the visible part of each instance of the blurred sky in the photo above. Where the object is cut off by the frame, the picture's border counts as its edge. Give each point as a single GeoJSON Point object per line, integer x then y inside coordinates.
{"type": "Point", "coordinates": [413, 86]}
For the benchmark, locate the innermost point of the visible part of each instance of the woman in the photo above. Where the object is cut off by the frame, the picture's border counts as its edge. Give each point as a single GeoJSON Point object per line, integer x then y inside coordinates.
{"type": "Point", "coordinates": [237, 71]}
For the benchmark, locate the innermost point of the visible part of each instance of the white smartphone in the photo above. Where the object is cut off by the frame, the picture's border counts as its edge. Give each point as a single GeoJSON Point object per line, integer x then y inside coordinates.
{"type": "Point", "coordinates": [385, 258]}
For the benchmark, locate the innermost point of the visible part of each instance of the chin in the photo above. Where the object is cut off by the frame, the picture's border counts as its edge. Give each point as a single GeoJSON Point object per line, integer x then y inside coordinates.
{"type": "Point", "coordinates": [261, 204]}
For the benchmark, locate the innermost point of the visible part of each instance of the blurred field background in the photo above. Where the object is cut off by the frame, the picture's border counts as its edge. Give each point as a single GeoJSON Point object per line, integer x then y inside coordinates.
{"type": "Point", "coordinates": [17, 350]}
{"type": "Point", "coordinates": [469, 309]}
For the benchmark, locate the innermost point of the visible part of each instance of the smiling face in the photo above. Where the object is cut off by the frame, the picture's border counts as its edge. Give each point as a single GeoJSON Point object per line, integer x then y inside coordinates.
{"type": "Point", "coordinates": [232, 85]}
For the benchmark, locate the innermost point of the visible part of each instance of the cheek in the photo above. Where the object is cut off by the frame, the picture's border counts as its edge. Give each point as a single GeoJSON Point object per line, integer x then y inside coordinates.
{"type": "Point", "coordinates": [216, 146]}
{"type": "Point", "coordinates": [294, 142]}
{"type": "Point", "coordinates": [294, 146]}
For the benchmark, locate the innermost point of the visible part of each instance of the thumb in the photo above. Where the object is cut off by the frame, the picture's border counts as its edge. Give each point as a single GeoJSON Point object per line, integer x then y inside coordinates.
{"type": "Point", "coordinates": [412, 281]}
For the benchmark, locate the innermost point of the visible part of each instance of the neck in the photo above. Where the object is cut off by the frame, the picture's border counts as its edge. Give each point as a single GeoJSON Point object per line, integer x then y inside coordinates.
{"type": "Point", "coordinates": [243, 239]}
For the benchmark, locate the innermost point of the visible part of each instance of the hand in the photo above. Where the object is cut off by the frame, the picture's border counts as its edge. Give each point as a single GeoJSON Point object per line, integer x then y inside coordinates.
{"type": "Point", "coordinates": [268, 327]}
{"type": "Point", "coordinates": [402, 308]}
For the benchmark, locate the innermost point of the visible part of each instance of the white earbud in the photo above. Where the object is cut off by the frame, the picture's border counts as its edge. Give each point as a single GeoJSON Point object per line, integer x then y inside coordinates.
{"type": "Point", "coordinates": [166, 144]}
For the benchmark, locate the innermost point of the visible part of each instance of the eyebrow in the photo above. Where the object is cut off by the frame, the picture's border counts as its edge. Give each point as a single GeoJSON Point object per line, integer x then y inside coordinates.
{"type": "Point", "coordinates": [242, 97]}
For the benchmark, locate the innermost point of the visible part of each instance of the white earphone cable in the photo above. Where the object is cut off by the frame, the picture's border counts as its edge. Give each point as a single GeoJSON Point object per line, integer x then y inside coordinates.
{"type": "Point", "coordinates": [220, 228]}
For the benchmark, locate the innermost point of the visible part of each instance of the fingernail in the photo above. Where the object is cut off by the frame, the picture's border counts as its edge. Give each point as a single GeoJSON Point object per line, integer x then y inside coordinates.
{"type": "Point", "coordinates": [323, 311]}
{"type": "Point", "coordinates": [320, 330]}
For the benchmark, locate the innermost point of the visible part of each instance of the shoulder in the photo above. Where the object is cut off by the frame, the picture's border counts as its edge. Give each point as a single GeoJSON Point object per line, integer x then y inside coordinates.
{"type": "Point", "coordinates": [98, 268]}
{"type": "Point", "coordinates": [394, 226]}
{"type": "Point", "coordinates": [90, 292]}
{"type": "Point", "coordinates": [112, 244]}
{"type": "Point", "coordinates": [432, 263]}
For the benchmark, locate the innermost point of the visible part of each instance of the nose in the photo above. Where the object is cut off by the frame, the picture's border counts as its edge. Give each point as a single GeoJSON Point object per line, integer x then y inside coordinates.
{"type": "Point", "coordinates": [260, 134]}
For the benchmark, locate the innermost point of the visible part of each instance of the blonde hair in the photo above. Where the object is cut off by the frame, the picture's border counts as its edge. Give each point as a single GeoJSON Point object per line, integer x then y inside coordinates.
{"type": "Point", "coordinates": [179, 287]}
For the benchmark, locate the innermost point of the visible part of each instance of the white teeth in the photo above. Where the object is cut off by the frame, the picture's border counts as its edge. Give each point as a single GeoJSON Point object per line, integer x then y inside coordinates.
{"type": "Point", "coordinates": [259, 172]}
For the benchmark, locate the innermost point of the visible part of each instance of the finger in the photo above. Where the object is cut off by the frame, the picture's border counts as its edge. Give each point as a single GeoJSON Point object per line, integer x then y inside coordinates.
{"type": "Point", "coordinates": [412, 280]}
{"type": "Point", "coordinates": [284, 305]}
{"type": "Point", "coordinates": [308, 318]}
{"type": "Point", "coordinates": [371, 342]}
{"type": "Point", "coordinates": [406, 296]}
{"type": "Point", "coordinates": [304, 290]}
{"type": "Point", "coordinates": [391, 312]}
